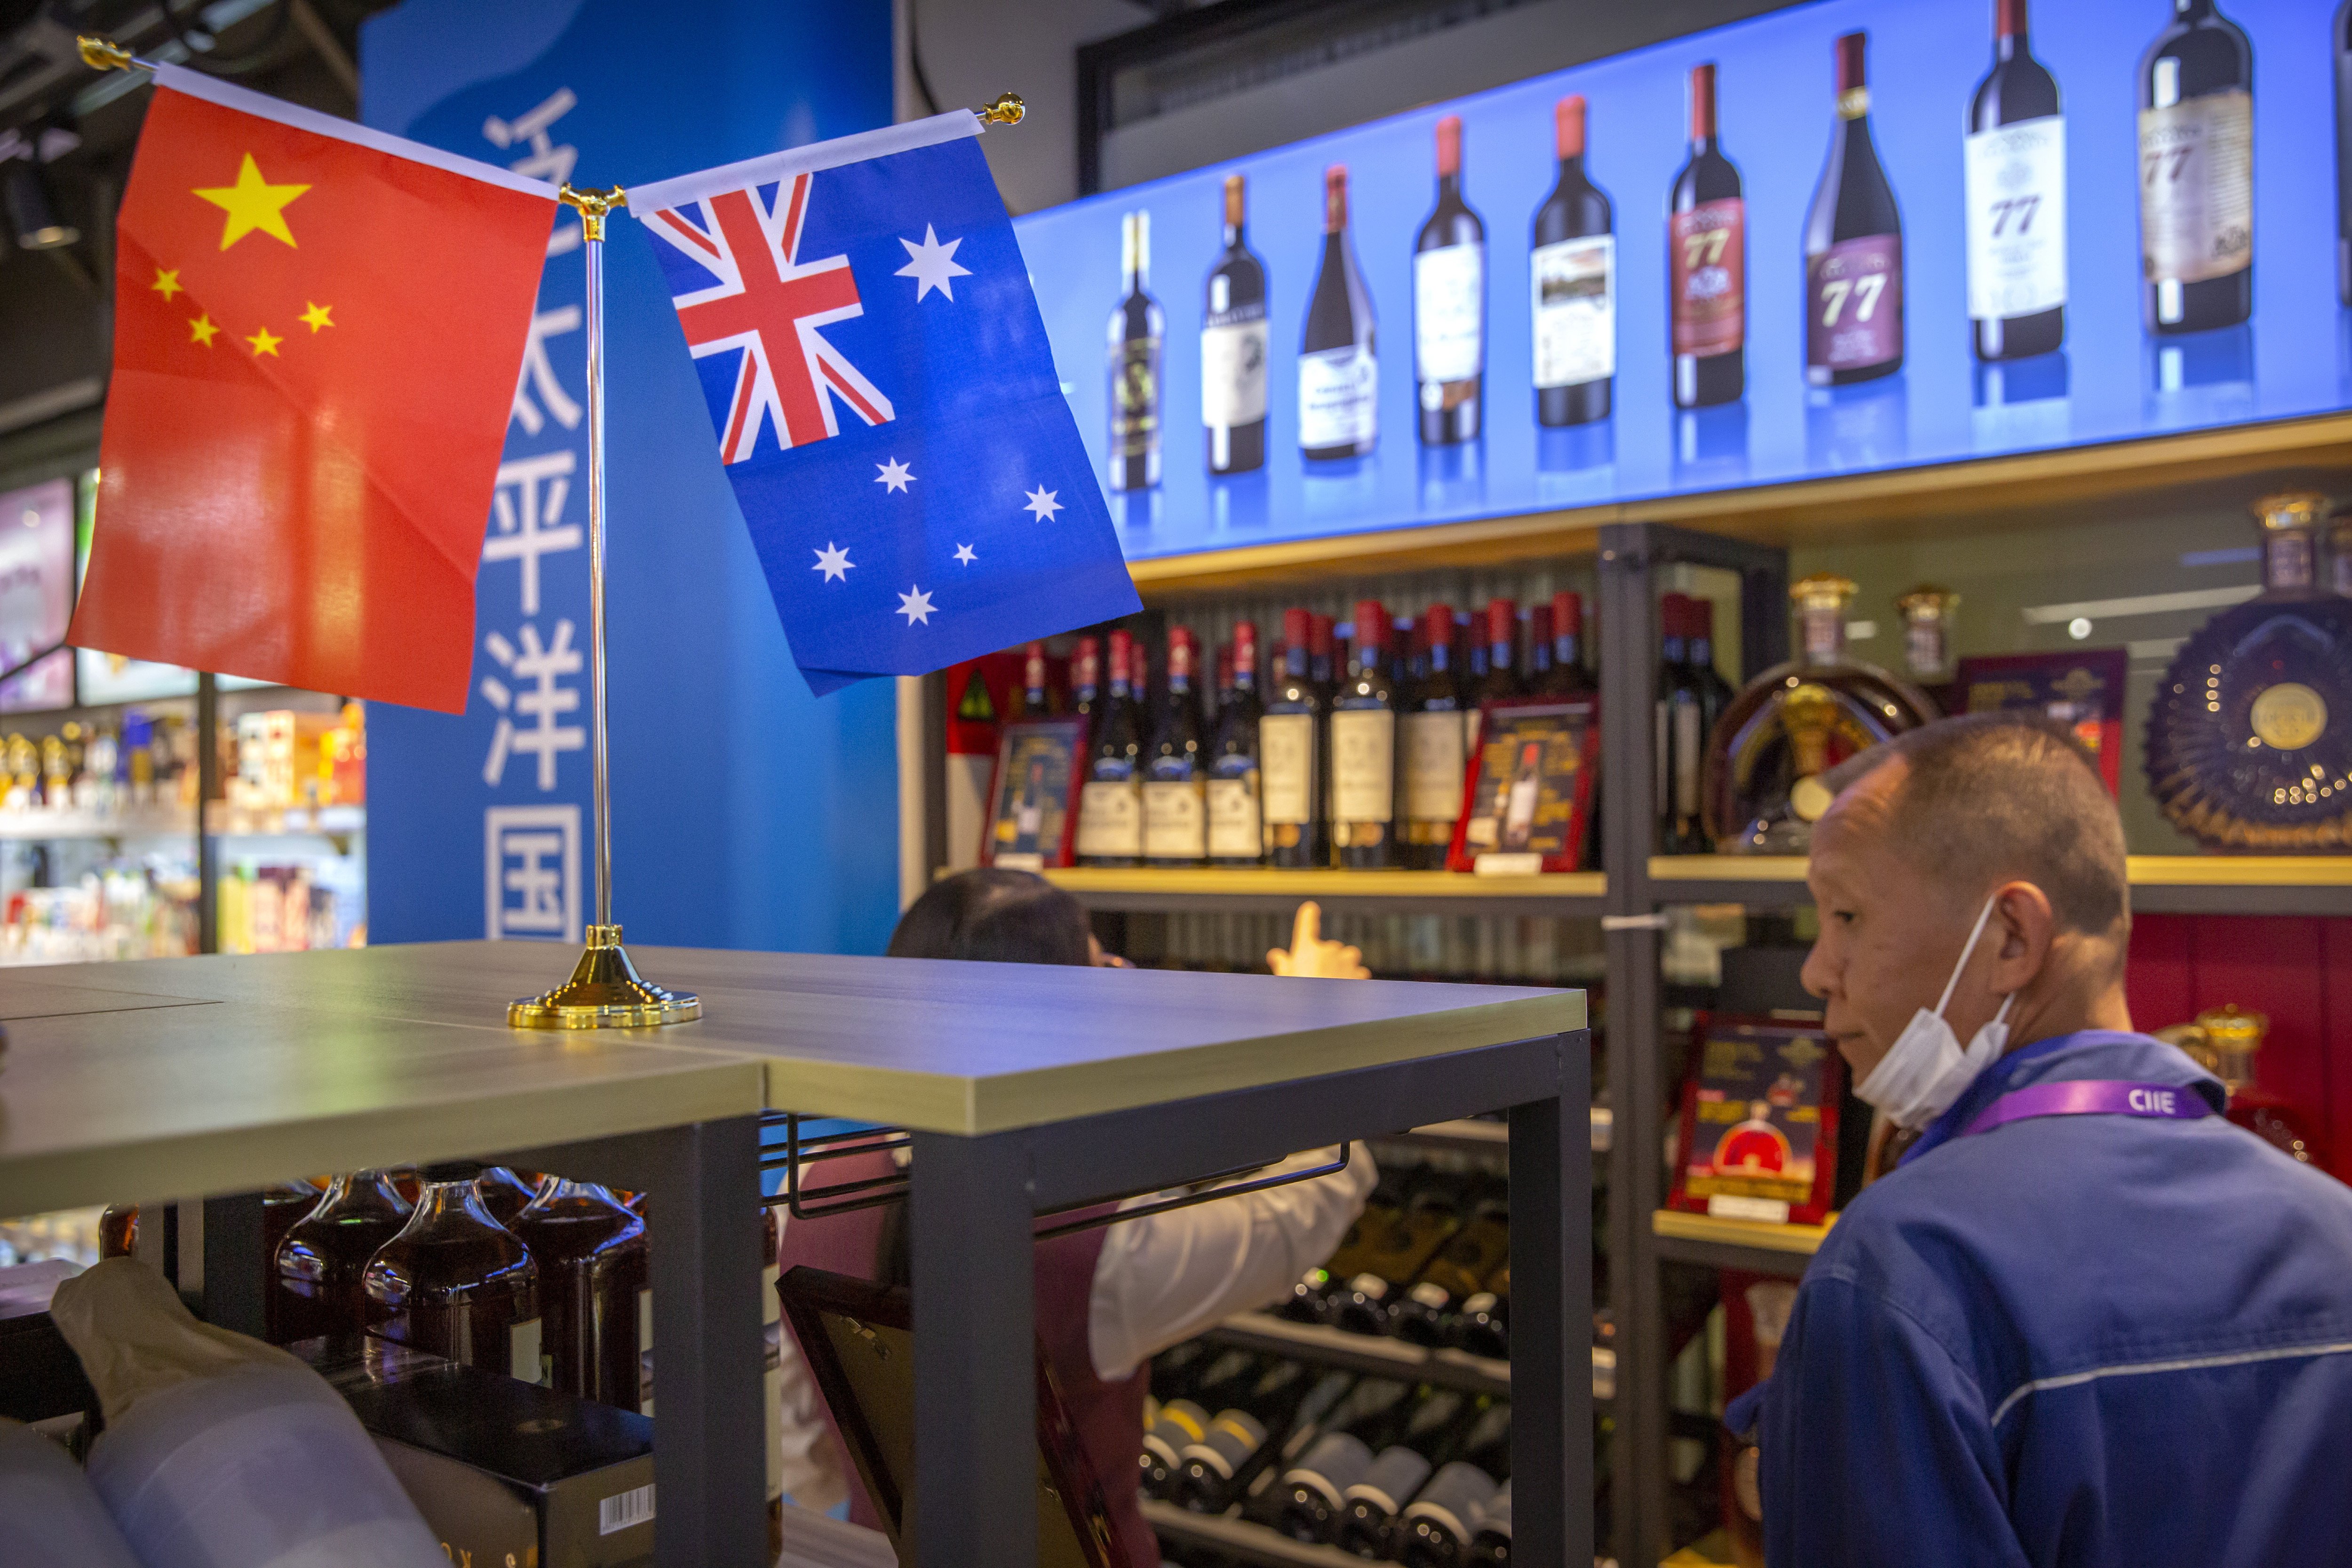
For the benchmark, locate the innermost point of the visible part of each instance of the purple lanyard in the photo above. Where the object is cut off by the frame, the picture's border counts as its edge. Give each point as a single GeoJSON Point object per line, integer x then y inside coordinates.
{"type": "Point", "coordinates": [2093, 1097]}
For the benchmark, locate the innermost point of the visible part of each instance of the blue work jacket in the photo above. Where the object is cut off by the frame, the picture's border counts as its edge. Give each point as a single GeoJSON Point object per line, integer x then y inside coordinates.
{"type": "Point", "coordinates": [2070, 1340]}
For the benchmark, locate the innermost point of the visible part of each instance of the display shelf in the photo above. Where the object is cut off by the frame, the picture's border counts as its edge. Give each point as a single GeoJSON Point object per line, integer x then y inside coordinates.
{"type": "Point", "coordinates": [2161, 884]}
{"type": "Point", "coordinates": [2019, 493]}
{"type": "Point", "coordinates": [324, 821]}
{"type": "Point", "coordinates": [1758, 1245]}
{"type": "Point", "coordinates": [1237, 1537]}
{"type": "Point", "coordinates": [1256, 889]}
{"type": "Point", "coordinates": [41, 825]}
{"type": "Point", "coordinates": [1385, 1357]}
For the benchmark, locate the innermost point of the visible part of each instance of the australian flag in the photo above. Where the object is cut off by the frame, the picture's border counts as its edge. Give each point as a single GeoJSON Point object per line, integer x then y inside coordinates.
{"type": "Point", "coordinates": [886, 401]}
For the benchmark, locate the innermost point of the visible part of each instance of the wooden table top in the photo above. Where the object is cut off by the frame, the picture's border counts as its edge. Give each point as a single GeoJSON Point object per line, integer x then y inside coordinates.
{"type": "Point", "coordinates": [205, 1074]}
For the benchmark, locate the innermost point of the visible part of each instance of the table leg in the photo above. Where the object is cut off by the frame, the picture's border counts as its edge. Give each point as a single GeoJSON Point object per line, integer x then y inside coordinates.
{"type": "Point", "coordinates": [975, 1360]}
{"type": "Point", "coordinates": [709, 1458]}
{"type": "Point", "coordinates": [1551, 1319]}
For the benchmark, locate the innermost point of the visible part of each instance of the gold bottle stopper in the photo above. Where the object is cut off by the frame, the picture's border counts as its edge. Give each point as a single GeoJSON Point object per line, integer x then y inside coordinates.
{"type": "Point", "coordinates": [1822, 591]}
{"type": "Point", "coordinates": [2291, 510]}
{"type": "Point", "coordinates": [1927, 600]}
{"type": "Point", "coordinates": [2231, 1027]}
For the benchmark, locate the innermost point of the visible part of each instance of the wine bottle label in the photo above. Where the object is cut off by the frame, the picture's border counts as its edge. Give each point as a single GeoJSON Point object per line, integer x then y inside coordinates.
{"type": "Point", "coordinates": [1175, 825]}
{"type": "Point", "coordinates": [1285, 743]}
{"type": "Point", "coordinates": [1687, 741]}
{"type": "Point", "coordinates": [525, 1359]}
{"type": "Point", "coordinates": [1855, 319]}
{"type": "Point", "coordinates": [1233, 373]}
{"type": "Point", "coordinates": [1338, 397]}
{"type": "Point", "coordinates": [1363, 764]}
{"type": "Point", "coordinates": [1706, 277]}
{"type": "Point", "coordinates": [1134, 396]}
{"type": "Point", "coordinates": [2197, 186]}
{"type": "Point", "coordinates": [1110, 819]}
{"type": "Point", "coordinates": [2015, 180]}
{"type": "Point", "coordinates": [1576, 310]}
{"type": "Point", "coordinates": [1237, 831]}
{"type": "Point", "coordinates": [1449, 310]}
{"type": "Point", "coordinates": [1432, 766]}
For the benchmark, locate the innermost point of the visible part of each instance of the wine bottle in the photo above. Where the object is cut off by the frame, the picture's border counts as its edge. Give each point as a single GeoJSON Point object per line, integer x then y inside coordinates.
{"type": "Point", "coordinates": [319, 1264]}
{"type": "Point", "coordinates": [1175, 806]}
{"type": "Point", "coordinates": [1363, 750]}
{"type": "Point", "coordinates": [1574, 270]}
{"type": "Point", "coordinates": [1449, 305]}
{"type": "Point", "coordinates": [591, 1256]}
{"type": "Point", "coordinates": [2197, 173]}
{"type": "Point", "coordinates": [1715, 693]}
{"type": "Point", "coordinates": [1321, 635]}
{"type": "Point", "coordinates": [1437, 1529]}
{"type": "Point", "coordinates": [1569, 675]}
{"type": "Point", "coordinates": [1433, 744]}
{"type": "Point", "coordinates": [1136, 327]}
{"type": "Point", "coordinates": [1085, 679]}
{"type": "Point", "coordinates": [1232, 348]}
{"type": "Point", "coordinates": [1853, 245]}
{"type": "Point", "coordinates": [1399, 1471]}
{"type": "Point", "coordinates": [1483, 1326]}
{"type": "Point", "coordinates": [1707, 262]}
{"type": "Point", "coordinates": [1237, 833]}
{"type": "Point", "coordinates": [1036, 692]}
{"type": "Point", "coordinates": [1312, 1494]}
{"type": "Point", "coordinates": [1292, 762]}
{"type": "Point", "coordinates": [1245, 1438]}
{"type": "Point", "coordinates": [1339, 372]}
{"type": "Point", "coordinates": [1311, 1299]}
{"type": "Point", "coordinates": [1110, 803]}
{"type": "Point", "coordinates": [1459, 1270]}
{"type": "Point", "coordinates": [2014, 172]}
{"type": "Point", "coordinates": [1491, 1548]}
{"type": "Point", "coordinates": [1679, 735]}
{"type": "Point", "coordinates": [2339, 45]}
{"type": "Point", "coordinates": [1539, 649]}
{"type": "Point", "coordinates": [1394, 1258]}
{"type": "Point", "coordinates": [1183, 1419]}
{"type": "Point", "coordinates": [457, 1284]}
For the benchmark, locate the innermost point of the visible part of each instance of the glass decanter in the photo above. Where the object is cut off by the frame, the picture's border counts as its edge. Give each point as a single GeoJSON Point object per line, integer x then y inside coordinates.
{"type": "Point", "coordinates": [591, 1254]}
{"type": "Point", "coordinates": [457, 1283]}
{"type": "Point", "coordinates": [318, 1266]}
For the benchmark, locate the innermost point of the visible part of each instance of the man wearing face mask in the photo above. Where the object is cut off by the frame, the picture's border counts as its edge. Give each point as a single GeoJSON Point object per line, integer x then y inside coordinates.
{"type": "Point", "coordinates": [2086, 1321]}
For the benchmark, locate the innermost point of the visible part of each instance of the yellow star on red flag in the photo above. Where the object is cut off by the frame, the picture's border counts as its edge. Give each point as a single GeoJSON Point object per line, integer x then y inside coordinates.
{"type": "Point", "coordinates": [316, 317]}
{"type": "Point", "coordinates": [167, 283]}
{"type": "Point", "coordinates": [252, 204]}
{"type": "Point", "coordinates": [201, 330]}
{"type": "Point", "coordinates": [263, 343]}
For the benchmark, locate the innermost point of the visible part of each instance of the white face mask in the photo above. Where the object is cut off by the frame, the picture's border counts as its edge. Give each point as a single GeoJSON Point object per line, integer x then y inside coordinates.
{"type": "Point", "coordinates": [1926, 1070]}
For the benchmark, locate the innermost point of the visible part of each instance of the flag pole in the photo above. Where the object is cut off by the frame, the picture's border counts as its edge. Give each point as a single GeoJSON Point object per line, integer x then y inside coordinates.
{"type": "Point", "coordinates": [606, 991]}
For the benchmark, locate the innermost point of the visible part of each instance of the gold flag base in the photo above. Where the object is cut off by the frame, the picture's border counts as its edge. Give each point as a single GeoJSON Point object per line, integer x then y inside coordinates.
{"type": "Point", "coordinates": [604, 992]}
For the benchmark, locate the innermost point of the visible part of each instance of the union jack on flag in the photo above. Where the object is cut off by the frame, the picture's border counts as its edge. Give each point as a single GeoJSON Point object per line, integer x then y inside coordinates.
{"type": "Point", "coordinates": [884, 401]}
{"type": "Point", "coordinates": [769, 310]}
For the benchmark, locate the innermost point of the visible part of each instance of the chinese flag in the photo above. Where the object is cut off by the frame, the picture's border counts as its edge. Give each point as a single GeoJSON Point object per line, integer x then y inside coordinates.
{"type": "Point", "coordinates": [318, 331]}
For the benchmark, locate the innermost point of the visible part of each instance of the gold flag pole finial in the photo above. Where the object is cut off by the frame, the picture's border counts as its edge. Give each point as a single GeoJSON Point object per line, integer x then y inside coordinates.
{"type": "Point", "coordinates": [103, 54]}
{"type": "Point", "coordinates": [606, 991]}
{"type": "Point", "coordinates": [1008, 109]}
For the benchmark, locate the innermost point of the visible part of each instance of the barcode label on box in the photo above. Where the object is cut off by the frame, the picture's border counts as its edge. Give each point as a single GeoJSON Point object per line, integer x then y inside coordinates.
{"type": "Point", "coordinates": [623, 1510]}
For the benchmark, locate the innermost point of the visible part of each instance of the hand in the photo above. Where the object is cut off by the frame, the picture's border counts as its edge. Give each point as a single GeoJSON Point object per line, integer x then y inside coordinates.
{"type": "Point", "coordinates": [1310, 954]}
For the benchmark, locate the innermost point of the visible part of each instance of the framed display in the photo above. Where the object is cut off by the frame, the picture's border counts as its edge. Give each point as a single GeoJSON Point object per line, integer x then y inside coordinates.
{"type": "Point", "coordinates": [1031, 818]}
{"type": "Point", "coordinates": [1527, 796]}
{"type": "Point", "coordinates": [2082, 689]}
{"type": "Point", "coordinates": [1759, 1126]}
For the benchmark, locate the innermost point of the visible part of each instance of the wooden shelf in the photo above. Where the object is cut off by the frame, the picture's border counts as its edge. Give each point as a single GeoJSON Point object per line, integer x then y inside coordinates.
{"type": "Point", "coordinates": [1269, 889]}
{"type": "Point", "coordinates": [40, 824]}
{"type": "Point", "coordinates": [2161, 884]}
{"type": "Point", "coordinates": [2015, 493]}
{"type": "Point", "coordinates": [1754, 1245]}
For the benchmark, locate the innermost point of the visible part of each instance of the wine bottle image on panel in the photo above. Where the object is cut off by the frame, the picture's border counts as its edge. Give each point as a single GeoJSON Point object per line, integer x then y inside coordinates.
{"type": "Point", "coordinates": [2197, 172]}
{"type": "Point", "coordinates": [2014, 170]}
{"type": "Point", "coordinates": [1854, 246]}
{"type": "Point", "coordinates": [1449, 305]}
{"type": "Point", "coordinates": [1574, 268]}
{"type": "Point", "coordinates": [1136, 327]}
{"type": "Point", "coordinates": [1232, 348]}
{"type": "Point", "coordinates": [1707, 262]}
{"type": "Point", "coordinates": [1338, 373]}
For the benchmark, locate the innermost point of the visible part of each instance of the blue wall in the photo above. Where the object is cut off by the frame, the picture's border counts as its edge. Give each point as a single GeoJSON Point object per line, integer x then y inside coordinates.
{"type": "Point", "coordinates": [746, 812]}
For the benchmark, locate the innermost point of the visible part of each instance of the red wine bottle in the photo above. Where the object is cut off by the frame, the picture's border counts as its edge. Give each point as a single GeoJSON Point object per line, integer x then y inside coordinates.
{"type": "Point", "coordinates": [1707, 262]}
{"type": "Point", "coordinates": [1449, 305]}
{"type": "Point", "coordinates": [2015, 167]}
{"type": "Point", "coordinates": [1085, 679]}
{"type": "Point", "coordinates": [1138, 328]}
{"type": "Point", "coordinates": [1574, 267]}
{"type": "Point", "coordinates": [1232, 348]}
{"type": "Point", "coordinates": [1236, 810]}
{"type": "Point", "coordinates": [1110, 800]}
{"type": "Point", "coordinates": [1294, 767]}
{"type": "Point", "coordinates": [1339, 372]}
{"type": "Point", "coordinates": [1433, 744]}
{"type": "Point", "coordinates": [1363, 750]}
{"type": "Point", "coordinates": [1569, 675]}
{"type": "Point", "coordinates": [2197, 173]}
{"type": "Point", "coordinates": [1175, 806]}
{"type": "Point", "coordinates": [1854, 246]}
{"type": "Point", "coordinates": [1679, 738]}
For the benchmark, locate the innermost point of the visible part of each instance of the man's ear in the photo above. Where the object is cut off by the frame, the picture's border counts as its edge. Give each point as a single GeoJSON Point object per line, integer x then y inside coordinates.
{"type": "Point", "coordinates": [2023, 924]}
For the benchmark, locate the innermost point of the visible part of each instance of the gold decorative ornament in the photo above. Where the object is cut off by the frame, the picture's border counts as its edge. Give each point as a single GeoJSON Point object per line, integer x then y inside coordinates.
{"type": "Point", "coordinates": [1007, 109]}
{"type": "Point", "coordinates": [103, 54]}
{"type": "Point", "coordinates": [605, 992]}
{"type": "Point", "coordinates": [593, 206]}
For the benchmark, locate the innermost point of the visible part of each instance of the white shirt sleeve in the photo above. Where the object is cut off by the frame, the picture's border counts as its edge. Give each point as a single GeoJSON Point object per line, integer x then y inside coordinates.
{"type": "Point", "coordinates": [1166, 1278]}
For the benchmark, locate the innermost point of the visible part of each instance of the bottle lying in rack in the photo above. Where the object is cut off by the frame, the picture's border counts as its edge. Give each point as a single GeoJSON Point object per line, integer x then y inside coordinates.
{"type": "Point", "coordinates": [1440, 1526]}
{"type": "Point", "coordinates": [1288, 1399]}
{"type": "Point", "coordinates": [1187, 1384]}
{"type": "Point", "coordinates": [1310, 1501]}
{"type": "Point", "coordinates": [1430, 1437]}
{"type": "Point", "coordinates": [1794, 722]}
{"type": "Point", "coordinates": [1427, 1313]}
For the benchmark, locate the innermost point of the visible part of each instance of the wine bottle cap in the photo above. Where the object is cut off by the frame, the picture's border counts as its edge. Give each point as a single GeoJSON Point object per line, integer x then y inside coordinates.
{"type": "Point", "coordinates": [1449, 145]}
{"type": "Point", "coordinates": [1701, 622]}
{"type": "Point", "coordinates": [1183, 650]}
{"type": "Point", "coordinates": [1335, 199]}
{"type": "Point", "coordinates": [1822, 591]}
{"type": "Point", "coordinates": [1539, 626]}
{"type": "Point", "coordinates": [1702, 101]}
{"type": "Point", "coordinates": [1927, 602]}
{"type": "Point", "coordinates": [1297, 627]}
{"type": "Point", "coordinates": [1371, 623]}
{"type": "Point", "coordinates": [1122, 656]}
{"type": "Point", "coordinates": [2009, 19]}
{"type": "Point", "coordinates": [1236, 200]}
{"type": "Point", "coordinates": [1502, 620]}
{"type": "Point", "coordinates": [1437, 625]}
{"type": "Point", "coordinates": [1319, 634]}
{"type": "Point", "coordinates": [1853, 83]}
{"type": "Point", "coordinates": [1568, 125]}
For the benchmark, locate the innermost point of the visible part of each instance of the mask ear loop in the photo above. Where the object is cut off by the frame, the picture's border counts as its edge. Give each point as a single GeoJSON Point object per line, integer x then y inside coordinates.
{"type": "Point", "coordinates": [1957, 969]}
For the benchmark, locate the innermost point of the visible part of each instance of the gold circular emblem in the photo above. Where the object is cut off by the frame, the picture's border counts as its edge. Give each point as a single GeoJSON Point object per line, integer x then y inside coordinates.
{"type": "Point", "coordinates": [2289, 716]}
{"type": "Point", "coordinates": [1810, 798]}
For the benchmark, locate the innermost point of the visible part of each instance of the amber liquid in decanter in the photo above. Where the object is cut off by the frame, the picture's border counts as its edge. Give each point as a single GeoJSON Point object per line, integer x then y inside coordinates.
{"type": "Point", "coordinates": [591, 1253]}
{"type": "Point", "coordinates": [319, 1263]}
{"type": "Point", "coordinates": [456, 1283]}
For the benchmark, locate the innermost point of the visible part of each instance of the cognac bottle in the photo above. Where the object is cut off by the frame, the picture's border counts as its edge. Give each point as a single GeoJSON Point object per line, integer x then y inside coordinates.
{"type": "Point", "coordinates": [1794, 722]}
{"type": "Point", "coordinates": [1928, 633]}
{"type": "Point", "coordinates": [319, 1264]}
{"type": "Point", "coordinates": [2249, 749]}
{"type": "Point", "coordinates": [2232, 1036]}
{"type": "Point", "coordinates": [456, 1283]}
{"type": "Point", "coordinates": [591, 1256]}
